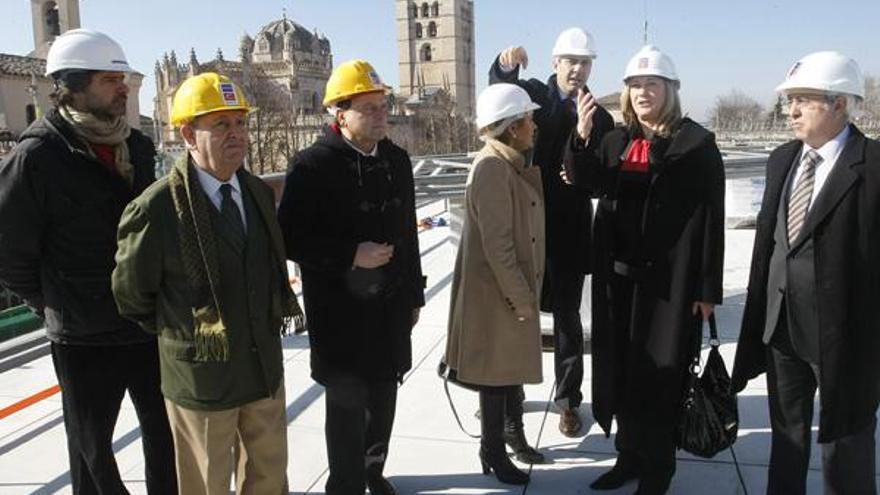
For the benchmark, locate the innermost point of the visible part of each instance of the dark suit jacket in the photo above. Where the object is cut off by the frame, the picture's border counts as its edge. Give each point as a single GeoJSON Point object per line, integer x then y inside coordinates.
{"type": "Point", "coordinates": [843, 228]}
{"type": "Point", "coordinates": [568, 210]}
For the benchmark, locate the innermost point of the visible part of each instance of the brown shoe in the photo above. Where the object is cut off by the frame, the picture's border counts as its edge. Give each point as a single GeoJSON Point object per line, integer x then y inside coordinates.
{"type": "Point", "coordinates": [569, 422]}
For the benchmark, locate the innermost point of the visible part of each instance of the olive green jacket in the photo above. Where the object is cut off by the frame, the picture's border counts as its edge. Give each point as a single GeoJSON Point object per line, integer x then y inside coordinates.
{"type": "Point", "coordinates": [151, 287]}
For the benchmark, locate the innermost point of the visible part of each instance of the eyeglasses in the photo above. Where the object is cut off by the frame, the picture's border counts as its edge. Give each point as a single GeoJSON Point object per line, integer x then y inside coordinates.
{"type": "Point", "coordinates": [802, 100]}
{"type": "Point", "coordinates": [371, 110]}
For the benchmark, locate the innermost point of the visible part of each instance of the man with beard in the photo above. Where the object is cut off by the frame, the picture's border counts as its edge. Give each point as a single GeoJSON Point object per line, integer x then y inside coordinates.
{"type": "Point", "coordinates": [568, 212]}
{"type": "Point", "coordinates": [349, 220]}
{"type": "Point", "coordinates": [62, 192]}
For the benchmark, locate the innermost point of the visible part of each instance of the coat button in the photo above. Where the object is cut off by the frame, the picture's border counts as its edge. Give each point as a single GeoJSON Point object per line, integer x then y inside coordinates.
{"type": "Point", "coordinates": [534, 203]}
{"type": "Point", "coordinates": [253, 349]}
{"type": "Point", "coordinates": [533, 240]}
{"type": "Point", "coordinates": [649, 264]}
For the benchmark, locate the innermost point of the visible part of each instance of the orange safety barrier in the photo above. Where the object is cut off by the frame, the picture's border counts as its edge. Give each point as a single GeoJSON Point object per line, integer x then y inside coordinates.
{"type": "Point", "coordinates": [24, 403]}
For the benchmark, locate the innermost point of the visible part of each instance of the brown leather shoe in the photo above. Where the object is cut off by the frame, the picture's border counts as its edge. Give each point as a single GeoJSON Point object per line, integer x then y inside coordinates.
{"type": "Point", "coordinates": [569, 422]}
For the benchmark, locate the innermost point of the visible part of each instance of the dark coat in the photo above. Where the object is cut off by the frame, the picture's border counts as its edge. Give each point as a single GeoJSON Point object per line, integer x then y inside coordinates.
{"type": "Point", "coordinates": [59, 209]}
{"type": "Point", "coordinates": [568, 211]}
{"type": "Point", "coordinates": [844, 225]}
{"type": "Point", "coordinates": [683, 251]}
{"type": "Point", "coordinates": [334, 198]}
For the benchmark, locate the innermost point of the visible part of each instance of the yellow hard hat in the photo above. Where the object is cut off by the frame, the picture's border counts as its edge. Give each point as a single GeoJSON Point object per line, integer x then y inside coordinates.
{"type": "Point", "coordinates": [352, 78]}
{"type": "Point", "coordinates": [206, 93]}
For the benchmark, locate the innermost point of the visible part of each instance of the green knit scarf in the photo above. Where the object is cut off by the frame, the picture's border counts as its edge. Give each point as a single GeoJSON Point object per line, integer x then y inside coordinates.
{"type": "Point", "coordinates": [198, 250]}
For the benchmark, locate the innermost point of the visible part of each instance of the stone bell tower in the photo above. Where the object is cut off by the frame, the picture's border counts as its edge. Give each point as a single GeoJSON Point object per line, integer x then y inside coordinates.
{"type": "Point", "coordinates": [51, 18]}
{"type": "Point", "coordinates": [436, 49]}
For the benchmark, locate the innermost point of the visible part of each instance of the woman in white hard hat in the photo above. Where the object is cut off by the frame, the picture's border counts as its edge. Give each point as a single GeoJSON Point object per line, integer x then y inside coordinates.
{"type": "Point", "coordinates": [494, 335]}
{"type": "Point", "coordinates": [659, 250]}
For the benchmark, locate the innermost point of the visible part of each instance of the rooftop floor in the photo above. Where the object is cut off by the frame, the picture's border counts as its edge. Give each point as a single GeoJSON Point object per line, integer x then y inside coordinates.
{"type": "Point", "coordinates": [429, 454]}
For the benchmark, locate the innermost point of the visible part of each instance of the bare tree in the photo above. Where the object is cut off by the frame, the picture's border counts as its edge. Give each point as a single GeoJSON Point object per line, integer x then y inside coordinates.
{"type": "Point", "coordinates": [736, 110]}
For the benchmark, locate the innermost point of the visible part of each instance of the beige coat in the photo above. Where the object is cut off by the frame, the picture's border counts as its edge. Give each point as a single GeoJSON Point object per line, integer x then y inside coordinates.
{"type": "Point", "coordinates": [500, 265]}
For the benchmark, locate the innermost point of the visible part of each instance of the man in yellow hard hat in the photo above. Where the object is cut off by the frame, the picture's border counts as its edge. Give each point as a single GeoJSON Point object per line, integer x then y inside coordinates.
{"type": "Point", "coordinates": [201, 263]}
{"type": "Point", "coordinates": [348, 216]}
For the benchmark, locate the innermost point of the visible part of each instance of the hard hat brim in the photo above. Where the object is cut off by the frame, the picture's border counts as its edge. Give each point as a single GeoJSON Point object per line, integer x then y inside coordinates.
{"type": "Point", "coordinates": [331, 102]}
{"type": "Point", "coordinates": [586, 54]}
{"type": "Point", "coordinates": [531, 107]}
{"type": "Point", "coordinates": [248, 110]}
{"type": "Point", "coordinates": [789, 87]}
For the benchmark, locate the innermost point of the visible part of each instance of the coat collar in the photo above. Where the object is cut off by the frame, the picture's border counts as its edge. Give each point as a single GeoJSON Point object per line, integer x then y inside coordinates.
{"type": "Point", "coordinates": [689, 137]}
{"type": "Point", "coordinates": [516, 159]}
{"type": "Point", "coordinates": [846, 172]}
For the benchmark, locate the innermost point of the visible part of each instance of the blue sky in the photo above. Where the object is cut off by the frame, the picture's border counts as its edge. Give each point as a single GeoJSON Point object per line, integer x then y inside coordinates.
{"type": "Point", "coordinates": [716, 45]}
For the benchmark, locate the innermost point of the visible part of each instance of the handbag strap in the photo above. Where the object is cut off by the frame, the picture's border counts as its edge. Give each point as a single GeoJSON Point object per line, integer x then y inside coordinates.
{"type": "Point", "coordinates": [695, 366]}
{"type": "Point", "coordinates": [454, 411]}
{"type": "Point", "coordinates": [713, 331]}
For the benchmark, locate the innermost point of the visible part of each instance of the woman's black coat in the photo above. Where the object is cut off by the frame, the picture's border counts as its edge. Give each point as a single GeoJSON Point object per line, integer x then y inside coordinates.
{"type": "Point", "coordinates": [642, 373]}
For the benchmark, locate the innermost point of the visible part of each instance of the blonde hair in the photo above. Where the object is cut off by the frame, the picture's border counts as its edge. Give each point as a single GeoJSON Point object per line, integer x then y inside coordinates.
{"type": "Point", "coordinates": [670, 115]}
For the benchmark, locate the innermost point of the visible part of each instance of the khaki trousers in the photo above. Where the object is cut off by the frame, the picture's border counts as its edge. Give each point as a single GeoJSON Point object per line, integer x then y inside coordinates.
{"type": "Point", "coordinates": [250, 439]}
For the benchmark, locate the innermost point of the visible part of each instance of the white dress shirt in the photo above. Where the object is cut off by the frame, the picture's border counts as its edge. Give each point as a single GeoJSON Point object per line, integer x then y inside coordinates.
{"type": "Point", "coordinates": [211, 186]}
{"type": "Point", "coordinates": [829, 152]}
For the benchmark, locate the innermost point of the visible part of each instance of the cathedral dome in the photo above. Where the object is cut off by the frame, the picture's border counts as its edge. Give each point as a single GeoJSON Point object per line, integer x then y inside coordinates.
{"type": "Point", "coordinates": [284, 34]}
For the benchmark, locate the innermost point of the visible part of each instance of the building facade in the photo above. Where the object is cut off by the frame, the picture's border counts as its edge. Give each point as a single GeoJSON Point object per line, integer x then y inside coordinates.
{"type": "Point", "coordinates": [283, 70]}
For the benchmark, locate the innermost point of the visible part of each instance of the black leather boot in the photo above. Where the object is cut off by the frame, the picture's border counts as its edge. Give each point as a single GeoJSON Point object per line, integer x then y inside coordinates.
{"type": "Point", "coordinates": [625, 469]}
{"type": "Point", "coordinates": [514, 434]}
{"type": "Point", "coordinates": [379, 485]}
{"type": "Point", "coordinates": [493, 456]}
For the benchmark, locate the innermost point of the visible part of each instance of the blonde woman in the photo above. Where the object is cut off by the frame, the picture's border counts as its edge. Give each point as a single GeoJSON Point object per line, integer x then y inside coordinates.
{"type": "Point", "coordinates": [494, 339]}
{"type": "Point", "coordinates": [659, 247]}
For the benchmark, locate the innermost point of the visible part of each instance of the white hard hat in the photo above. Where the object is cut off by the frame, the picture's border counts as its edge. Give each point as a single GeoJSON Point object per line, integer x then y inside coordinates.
{"type": "Point", "coordinates": [827, 71]}
{"type": "Point", "coordinates": [649, 61]}
{"type": "Point", "coordinates": [575, 42]}
{"type": "Point", "coordinates": [500, 101]}
{"type": "Point", "coordinates": [84, 49]}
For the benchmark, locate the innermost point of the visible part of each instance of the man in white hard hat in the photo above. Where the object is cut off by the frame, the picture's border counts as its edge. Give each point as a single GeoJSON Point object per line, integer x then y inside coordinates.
{"type": "Point", "coordinates": [811, 318]}
{"type": "Point", "coordinates": [62, 191]}
{"type": "Point", "coordinates": [568, 212]}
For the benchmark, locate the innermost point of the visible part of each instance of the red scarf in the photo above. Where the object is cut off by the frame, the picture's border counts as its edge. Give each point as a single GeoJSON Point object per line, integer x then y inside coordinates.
{"type": "Point", "coordinates": [636, 159]}
{"type": "Point", "coordinates": [106, 154]}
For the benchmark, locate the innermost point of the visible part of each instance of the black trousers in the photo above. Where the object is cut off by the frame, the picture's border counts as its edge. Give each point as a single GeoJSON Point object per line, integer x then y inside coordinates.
{"type": "Point", "coordinates": [357, 429]}
{"type": "Point", "coordinates": [562, 296]}
{"type": "Point", "coordinates": [847, 464]}
{"type": "Point", "coordinates": [644, 442]}
{"type": "Point", "coordinates": [93, 382]}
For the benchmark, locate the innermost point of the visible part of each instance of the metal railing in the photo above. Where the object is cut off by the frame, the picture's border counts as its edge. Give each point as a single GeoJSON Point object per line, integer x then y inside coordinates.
{"type": "Point", "coordinates": [445, 176]}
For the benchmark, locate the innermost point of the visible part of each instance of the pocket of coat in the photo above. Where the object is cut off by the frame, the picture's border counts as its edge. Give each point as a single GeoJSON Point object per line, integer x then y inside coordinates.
{"type": "Point", "coordinates": [181, 350]}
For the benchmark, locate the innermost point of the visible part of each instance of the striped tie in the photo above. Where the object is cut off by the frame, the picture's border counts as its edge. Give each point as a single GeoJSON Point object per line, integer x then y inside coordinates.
{"type": "Point", "coordinates": [799, 203]}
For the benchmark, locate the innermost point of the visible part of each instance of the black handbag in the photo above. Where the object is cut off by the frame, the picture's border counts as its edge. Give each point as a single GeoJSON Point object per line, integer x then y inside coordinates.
{"type": "Point", "coordinates": [708, 420]}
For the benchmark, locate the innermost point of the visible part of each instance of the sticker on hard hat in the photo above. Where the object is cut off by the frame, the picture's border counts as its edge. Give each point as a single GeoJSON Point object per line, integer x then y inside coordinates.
{"type": "Point", "coordinates": [643, 63]}
{"type": "Point", "coordinates": [230, 98]}
{"type": "Point", "coordinates": [375, 79]}
{"type": "Point", "coordinates": [794, 69]}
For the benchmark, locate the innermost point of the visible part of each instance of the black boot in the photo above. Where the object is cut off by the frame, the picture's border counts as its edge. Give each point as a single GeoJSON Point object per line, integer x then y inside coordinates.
{"type": "Point", "coordinates": [625, 469]}
{"type": "Point", "coordinates": [379, 485]}
{"type": "Point", "coordinates": [514, 435]}
{"type": "Point", "coordinates": [654, 484]}
{"type": "Point", "coordinates": [493, 455]}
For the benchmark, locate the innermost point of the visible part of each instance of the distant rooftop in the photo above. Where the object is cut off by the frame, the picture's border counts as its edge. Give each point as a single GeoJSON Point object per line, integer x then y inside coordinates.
{"type": "Point", "coordinates": [17, 65]}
